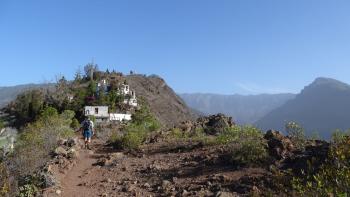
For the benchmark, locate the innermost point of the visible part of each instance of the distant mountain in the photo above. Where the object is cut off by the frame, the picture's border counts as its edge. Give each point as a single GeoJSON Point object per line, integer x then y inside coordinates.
{"type": "Point", "coordinates": [7, 94]}
{"type": "Point", "coordinates": [321, 107]}
{"type": "Point", "coordinates": [243, 109]}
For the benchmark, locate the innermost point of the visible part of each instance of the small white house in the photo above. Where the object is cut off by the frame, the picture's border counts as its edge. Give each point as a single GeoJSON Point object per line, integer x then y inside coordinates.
{"type": "Point", "coordinates": [70, 98]}
{"type": "Point", "coordinates": [99, 112]}
{"type": "Point", "coordinates": [131, 101]}
{"type": "Point", "coordinates": [119, 117]}
{"type": "Point", "coordinates": [125, 89]}
{"type": "Point", "coordinates": [103, 82]}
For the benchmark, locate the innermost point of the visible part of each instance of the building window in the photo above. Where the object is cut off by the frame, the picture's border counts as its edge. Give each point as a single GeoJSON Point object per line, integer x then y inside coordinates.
{"type": "Point", "coordinates": [87, 112]}
{"type": "Point", "coordinates": [96, 110]}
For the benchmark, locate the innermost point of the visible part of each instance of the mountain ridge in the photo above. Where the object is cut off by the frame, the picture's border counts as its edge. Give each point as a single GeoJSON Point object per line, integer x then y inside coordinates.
{"type": "Point", "coordinates": [9, 93]}
{"type": "Point", "coordinates": [245, 109]}
{"type": "Point", "coordinates": [321, 106]}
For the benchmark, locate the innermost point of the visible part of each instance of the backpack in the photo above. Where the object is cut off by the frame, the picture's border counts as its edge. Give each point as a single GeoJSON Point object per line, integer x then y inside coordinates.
{"type": "Point", "coordinates": [87, 125]}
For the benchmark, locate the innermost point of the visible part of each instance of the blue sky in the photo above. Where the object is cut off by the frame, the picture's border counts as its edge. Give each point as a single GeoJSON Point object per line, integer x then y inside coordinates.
{"type": "Point", "coordinates": [223, 46]}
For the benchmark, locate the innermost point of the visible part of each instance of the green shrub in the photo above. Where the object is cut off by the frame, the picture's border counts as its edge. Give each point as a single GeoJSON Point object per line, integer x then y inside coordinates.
{"type": "Point", "coordinates": [229, 135]}
{"type": "Point", "coordinates": [39, 138]}
{"type": "Point", "coordinates": [144, 117]}
{"type": "Point", "coordinates": [338, 136]}
{"type": "Point", "coordinates": [296, 134]}
{"type": "Point", "coordinates": [333, 177]}
{"type": "Point", "coordinates": [27, 106]}
{"type": "Point", "coordinates": [250, 152]}
{"type": "Point", "coordinates": [198, 135]}
{"type": "Point", "coordinates": [114, 137]}
{"type": "Point", "coordinates": [75, 124]}
{"type": "Point", "coordinates": [236, 133]}
{"type": "Point", "coordinates": [29, 190]}
{"type": "Point", "coordinates": [245, 143]}
{"type": "Point", "coordinates": [177, 134]}
{"type": "Point", "coordinates": [132, 140]}
{"type": "Point", "coordinates": [48, 113]}
{"type": "Point", "coordinates": [248, 147]}
{"type": "Point", "coordinates": [136, 131]}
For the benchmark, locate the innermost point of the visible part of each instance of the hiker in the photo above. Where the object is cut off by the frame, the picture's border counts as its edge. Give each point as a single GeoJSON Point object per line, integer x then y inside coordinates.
{"type": "Point", "coordinates": [88, 130]}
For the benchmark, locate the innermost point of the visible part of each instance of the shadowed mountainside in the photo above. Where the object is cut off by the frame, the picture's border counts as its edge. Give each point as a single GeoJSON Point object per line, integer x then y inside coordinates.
{"type": "Point", "coordinates": [321, 107]}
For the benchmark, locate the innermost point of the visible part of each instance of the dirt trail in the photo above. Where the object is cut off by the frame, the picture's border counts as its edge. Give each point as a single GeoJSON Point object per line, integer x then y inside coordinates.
{"type": "Point", "coordinates": [75, 182]}
{"type": "Point", "coordinates": [161, 169]}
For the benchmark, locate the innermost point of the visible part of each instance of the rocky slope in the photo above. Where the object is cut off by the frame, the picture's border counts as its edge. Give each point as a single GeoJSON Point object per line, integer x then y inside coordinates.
{"type": "Point", "coordinates": [168, 107]}
{"type": "Point", "coordinates": [245, 109]}
{"type": "Point", "coordinates": [323, 106]}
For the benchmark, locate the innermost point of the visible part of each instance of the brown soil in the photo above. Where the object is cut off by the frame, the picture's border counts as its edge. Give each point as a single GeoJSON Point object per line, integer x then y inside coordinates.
{"type": "Point", "coordinates": [160, 169]}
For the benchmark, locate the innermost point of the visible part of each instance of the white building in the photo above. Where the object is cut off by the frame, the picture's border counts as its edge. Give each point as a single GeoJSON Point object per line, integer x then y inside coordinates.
{"type": "Point", "coordinates": [99, 112]}
{"type": "Point", "coordinates": [125, 89]}
{"type": "Point", "coordinates": [70, 98]}
{"type": "Point", "coordinates": [103, 83]}
{"type": "Point", "coordinates": [131, 101]}
{"type": "Point", "coordinates": [119, 117]}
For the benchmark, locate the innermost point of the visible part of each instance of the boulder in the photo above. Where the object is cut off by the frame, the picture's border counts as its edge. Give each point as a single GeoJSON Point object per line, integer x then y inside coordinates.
{"type": "Point", "coordinates": [216, 124]}
{"type": "Point", "coordinates": [71, 142]}
{"type": "Point", "coordinates": [211, 125]}
{"type": "Point", "coordinates": [280, 147]}
{"type": "Point", "coordinates": [104, 161]}
{"type": "Point", "coordinates": [166, 184]}
{"type": "Point", "coordinates": [315, 151]}
{"type": "Point", "coordinates": [61, 151]}
{"type": "Point", "coordinates": [225, 194]}
{"type": "Point", "coordinates": [117, 155]}
{"type": "Point", "coordinates": [186, 126]}
{"type": "Point", "coordinates": [48, 180]}
{"type": "Point", "coordinates": [72, 153]}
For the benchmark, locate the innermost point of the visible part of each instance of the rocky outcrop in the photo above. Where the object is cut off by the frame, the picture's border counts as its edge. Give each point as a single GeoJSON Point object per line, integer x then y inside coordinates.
{"type": "Point", "coordinates": [216, 123]}
{"type": "Point", "coordinates": [315, 153]}
{"type": "Point", "coordinates": [211, 125]}
{"type": "Point", "coordinates": [287, 156]}
{"type": "Point", "coordinates": [280, 147]}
